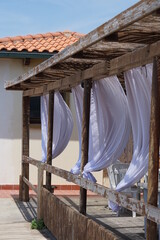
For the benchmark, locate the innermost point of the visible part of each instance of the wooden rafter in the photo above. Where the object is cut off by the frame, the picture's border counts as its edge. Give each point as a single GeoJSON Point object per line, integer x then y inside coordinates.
{"type": "Point", "coordinates": [117, 24]}
{"type": "Point", "coordinates": [125, 62]}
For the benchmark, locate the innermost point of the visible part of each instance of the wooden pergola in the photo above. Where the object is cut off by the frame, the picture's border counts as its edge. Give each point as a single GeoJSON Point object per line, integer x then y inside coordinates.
{"type": "Point", "coordinates": [129, 40]}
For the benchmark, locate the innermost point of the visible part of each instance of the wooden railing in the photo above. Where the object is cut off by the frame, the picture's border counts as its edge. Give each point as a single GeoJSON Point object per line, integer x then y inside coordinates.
{"type": "Point", "coordinates": [122, 199]}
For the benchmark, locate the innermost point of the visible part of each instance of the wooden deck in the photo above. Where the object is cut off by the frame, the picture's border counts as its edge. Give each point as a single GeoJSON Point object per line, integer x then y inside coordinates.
{"type": "Point", "coordinates": [15, 218]}
{"type": "Point", "coordinates": [125, 226]}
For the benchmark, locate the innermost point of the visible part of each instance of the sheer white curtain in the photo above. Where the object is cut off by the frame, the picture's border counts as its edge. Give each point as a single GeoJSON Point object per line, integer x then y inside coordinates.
{"type": "Point", "coordinates": [109, 124]}
{"type": "Point", "coordinates": [62, 125]}
{"type": "Point", "coordinates": [78, 101]}
{"type": "Point", "coordinates": [138, 86]}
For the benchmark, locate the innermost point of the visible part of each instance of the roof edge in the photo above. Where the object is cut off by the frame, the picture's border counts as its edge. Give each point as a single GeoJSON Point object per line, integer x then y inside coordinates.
{"type": "Point", "coordinates": [25, 54]}
{"type": "Point", "coordinates": [66, 33]}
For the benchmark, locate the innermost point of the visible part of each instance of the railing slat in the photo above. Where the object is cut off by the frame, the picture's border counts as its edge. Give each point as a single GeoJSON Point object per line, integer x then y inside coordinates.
{"type": "Point", "coordinates": [29, 184]}
{"type": "Point", "coordinates": [122, 199]}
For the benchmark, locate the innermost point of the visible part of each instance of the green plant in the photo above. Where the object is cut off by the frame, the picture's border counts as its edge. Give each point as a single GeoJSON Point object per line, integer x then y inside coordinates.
{"type": "Point", "coordinates": [37, 224]}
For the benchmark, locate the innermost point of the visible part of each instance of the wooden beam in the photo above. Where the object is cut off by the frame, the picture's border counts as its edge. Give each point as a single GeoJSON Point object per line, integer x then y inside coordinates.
{"type": "Point", "coordinates": [49, 139]}
{"type": "Point", "coordinates": [124, 19]}
{"type": "Point", "coordinates": [30, 185]}
{"type": "Point", "coordinates": [153, 164]}
{"type": "Point", "coordinates": [123, 63]}
{"type": "Point", "coordinates": [24, 189]}
{"type": "Point", "coordinates": [113, 46]}
{"type": "Point", "coordinates": [39, 193]}
{"type": "Point", "coordinates": [85, 140]}
{"type": "Point", "coordinates": [122, 199]}
{"type": "Point", "coordinates": [31, 161]}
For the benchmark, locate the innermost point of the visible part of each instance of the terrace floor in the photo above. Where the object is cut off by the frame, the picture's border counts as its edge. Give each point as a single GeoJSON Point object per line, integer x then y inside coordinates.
{"type": "Point", "coordinates": [15, 216]}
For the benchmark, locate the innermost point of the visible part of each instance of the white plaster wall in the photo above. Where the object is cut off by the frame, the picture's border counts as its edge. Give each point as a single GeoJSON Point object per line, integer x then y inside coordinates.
{"type": "Point", "coordinates": [11, 131]}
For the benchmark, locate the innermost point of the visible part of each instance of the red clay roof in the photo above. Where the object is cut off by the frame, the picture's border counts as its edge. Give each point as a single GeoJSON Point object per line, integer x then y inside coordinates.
{"type": "Point", "coordinates": [48, 42]}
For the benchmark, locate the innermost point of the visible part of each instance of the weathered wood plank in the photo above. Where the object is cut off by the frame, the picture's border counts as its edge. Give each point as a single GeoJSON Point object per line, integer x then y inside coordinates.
{"type": "Point", "coordinates": [123, 63]}
{"type": "Point", "coordinates": [49, 211]}
{"type": "Point", "coordinates": [91, 230]}
{"type": "Point", "coordinates": [66, 223]}
{"type": "Point", "coordinates": [49, 138]}
{"type": "Point", "coordinates": [85, 140]}
{"type": "Point", "coordinates": [30, 184]}
{"type": "Point", "coordinates": [153, 164]}
{"type": "Point", "coordinates": [152, 213]}
{"type": "Point", "coordinates": [44, 197]}
{"type": "Point", "coordinates": [52, 210]}
{"type": "Point", "coordinates": [32, 161]}
{"type": "Point", "coordinates": [56, 215]}
{"type": "Point", "coordinates": [24, 189]}
{"type": "Point", "coordinates": [60, 220]}
{"type": "Point", "coordinates": [80, 226]}
{"type": "Point", "coordinates": [113, 46]}
{"type": "Point", "coordinates": [129, 16]}
{"type": "Point", "coordinates": [39, 193]}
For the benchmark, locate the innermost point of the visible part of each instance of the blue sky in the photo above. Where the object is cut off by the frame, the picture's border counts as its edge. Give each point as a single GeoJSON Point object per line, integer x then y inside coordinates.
{"type": "Point", "coordinates": [21, 17]}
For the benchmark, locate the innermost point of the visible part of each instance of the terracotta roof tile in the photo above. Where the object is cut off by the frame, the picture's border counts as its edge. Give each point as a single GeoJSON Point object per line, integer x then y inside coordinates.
{"type": "Point", "coordinates": [52, 49]}
{"type": "Point", "coordinates": [48, 42]}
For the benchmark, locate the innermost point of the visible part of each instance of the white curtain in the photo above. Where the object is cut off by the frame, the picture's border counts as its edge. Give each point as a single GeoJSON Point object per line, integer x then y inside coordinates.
{"type": "Point", "coordinates": [62, 125]}
{"type": "Point", "coordinates": [109, 124]}
{"type": "Point", "coordinates": [78, 101]}
{"type": "Point", "coordinates": [138, 85]}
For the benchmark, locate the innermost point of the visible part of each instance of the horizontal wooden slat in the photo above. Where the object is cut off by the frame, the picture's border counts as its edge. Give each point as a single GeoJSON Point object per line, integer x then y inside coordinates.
{"type": "Point", "coordinates": [131, 15]}
{"type": "Point", "coordinates": [123, 63]}
{"type": "Point", "coordinates": [29, 184]}
{"type": "Point", "coordinates": [121, 199]}
{"type": "Point", "coordinates": [31, 161]}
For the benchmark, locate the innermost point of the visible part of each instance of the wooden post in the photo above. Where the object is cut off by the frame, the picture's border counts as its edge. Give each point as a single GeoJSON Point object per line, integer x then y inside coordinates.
{"type": "Point", "coordinates": [24, 189]}
{"type": "Point", "coordinates": [85, 140]}
{"type": "Point", "coordinates": [153, 151]}
{"type": "Point", "coordinates": [39, 193]}
{"type": "Point", "coordinates": [49, 140]}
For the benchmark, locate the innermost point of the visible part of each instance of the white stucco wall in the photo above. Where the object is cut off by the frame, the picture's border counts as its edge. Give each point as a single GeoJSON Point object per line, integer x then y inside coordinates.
{"type": "Point", "coordinates": [11, 131]}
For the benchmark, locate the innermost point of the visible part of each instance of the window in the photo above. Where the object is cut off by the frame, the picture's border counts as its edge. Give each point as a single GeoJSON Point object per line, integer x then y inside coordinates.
{"type": "Point", "coordinates": [35, 110]}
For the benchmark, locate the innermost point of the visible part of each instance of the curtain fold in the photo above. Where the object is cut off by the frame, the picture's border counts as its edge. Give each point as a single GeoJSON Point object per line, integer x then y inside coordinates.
{"type": "Point", "coordinates": [138, 86]}
{"type": "Point", "coordinates": [78, 102]}
{"type": "Point", "coordinates": [109, 127]}
{"type": "Point", "coordinates": [62, 125]}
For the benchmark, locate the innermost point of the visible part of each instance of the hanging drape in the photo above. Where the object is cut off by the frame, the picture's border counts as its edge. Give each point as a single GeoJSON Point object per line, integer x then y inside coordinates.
{"type": "Point", "coordinates": [109, 124]}
{"type": "Point", "coordinates": [138, 87]}
{"type": "Point", "coordinates": [62, 125]}
{"type": "Point", "coordinates": [78, 102]}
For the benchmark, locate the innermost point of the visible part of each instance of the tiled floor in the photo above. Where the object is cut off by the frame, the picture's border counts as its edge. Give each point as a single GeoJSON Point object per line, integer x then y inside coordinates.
{"type": "Point", "coordinates": [10, 193]}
